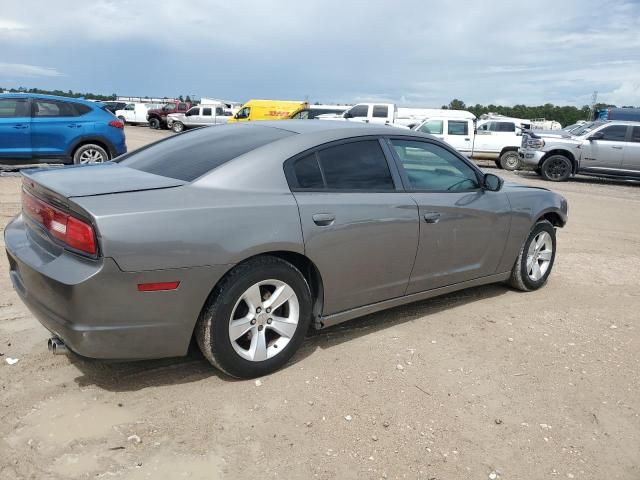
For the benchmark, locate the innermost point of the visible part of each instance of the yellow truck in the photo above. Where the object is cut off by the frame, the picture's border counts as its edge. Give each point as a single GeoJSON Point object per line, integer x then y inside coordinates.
{"type": "Point", "coordinates": [267, 110]}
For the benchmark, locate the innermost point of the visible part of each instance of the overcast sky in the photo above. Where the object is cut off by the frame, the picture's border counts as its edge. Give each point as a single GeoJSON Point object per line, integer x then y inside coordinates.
{"type": "Point", "coordinates": [421, 53]}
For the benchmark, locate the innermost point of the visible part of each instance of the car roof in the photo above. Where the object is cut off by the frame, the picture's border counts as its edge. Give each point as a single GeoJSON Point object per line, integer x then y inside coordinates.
{"type": "Point", "coordinates": [47, 97]}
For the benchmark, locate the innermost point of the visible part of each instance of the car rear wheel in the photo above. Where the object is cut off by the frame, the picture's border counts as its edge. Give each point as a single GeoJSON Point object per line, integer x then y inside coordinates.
{"type": "Point", "coordinates": [154, 123]}
{"type": "Point", "coordinates": [256, 318]}
{"type": "Point", "coordinates": [510, 160]}
{"type": "Point", "coordinates": [90, 153]}
{"type": "Point", "coordinates": [556, 168]}
{"type": "Point", "coordinates": [536, 258]}
{"type": "Point", "coordinates": [177, 127]}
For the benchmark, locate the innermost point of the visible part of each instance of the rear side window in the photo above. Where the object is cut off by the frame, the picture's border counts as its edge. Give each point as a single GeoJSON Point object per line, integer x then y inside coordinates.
{"type": "Point", "coordinates": [14, 108]}
{"type": "Point", "coordinates": [190, 155]}
{"type": "Point", "coordinates": [505, 127]}
{"type": "Point", "coordinates": [307, 172]}
{"type": "Point", "coordinates": [380, 111]}
{"type": "Point", "coordinates": [206, 112]}
{"type": "Point", "coordinates": [456, 127]}
{"type": "Point", "coordinates": [53, 108]}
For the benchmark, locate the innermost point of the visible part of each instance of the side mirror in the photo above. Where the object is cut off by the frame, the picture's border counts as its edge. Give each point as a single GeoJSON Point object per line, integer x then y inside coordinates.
{"type": "Point", "coordinates": [492, 182]}
{"type": "Point", "coordinates": [596, 136]}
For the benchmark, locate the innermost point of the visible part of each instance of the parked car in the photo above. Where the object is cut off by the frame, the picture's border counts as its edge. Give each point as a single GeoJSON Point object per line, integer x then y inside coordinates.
{"type": "Point", "coordinates": [313, 111]}
{"type": "Point", "coordinates": [114, 105]}
{"type": "Point", "coordinates": [200, 116]}
{"type": "Point", "coordinates": [274, 226]}
{"type": "Point", "coordinates": [157, 118]}
{"type": "Point", "coordinates": [602, 148]}
{"type": "Point", "coordinates": [267, 110]}
{"type": "Point", "coordinates": [135, 113]}
{"type": "Point", "coordinates": [496, 140]}
{"type": "Point", "coordinates": [391, 114]}
{"type": "Point", "coordinates": [38, 128]}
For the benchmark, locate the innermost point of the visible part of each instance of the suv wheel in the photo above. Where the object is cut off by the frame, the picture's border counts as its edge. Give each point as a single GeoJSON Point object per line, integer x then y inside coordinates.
{"type": "Point", "coordinates": [510, 160]}
{"type": "Point", "coordinates": [90, 153]}
{"type": "Point", "coordinates": [256, 318]}
{"type": "Point", "coordinates": [556, 168]}
{"type": "Point", "coordinates": [177, 127]}
{"type": "Point", "coordinates": [154, 123]}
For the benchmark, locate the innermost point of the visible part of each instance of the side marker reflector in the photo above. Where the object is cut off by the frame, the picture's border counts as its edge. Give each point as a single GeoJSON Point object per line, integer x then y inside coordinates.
{"type": "Point", "coordinates": [157, 287]}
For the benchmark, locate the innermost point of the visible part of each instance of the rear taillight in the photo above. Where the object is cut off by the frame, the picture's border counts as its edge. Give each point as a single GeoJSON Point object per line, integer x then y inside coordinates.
{"type": "Point", "coordinates": [72, 231]}
{"type": "Point", "coordinates": [116, 124]}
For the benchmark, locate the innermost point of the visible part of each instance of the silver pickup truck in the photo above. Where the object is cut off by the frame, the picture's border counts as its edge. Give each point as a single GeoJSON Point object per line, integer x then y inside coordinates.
{"type": "Point", "coordinates": [198, 116]}
{"type": "Point", "coordinates": [602, 148]}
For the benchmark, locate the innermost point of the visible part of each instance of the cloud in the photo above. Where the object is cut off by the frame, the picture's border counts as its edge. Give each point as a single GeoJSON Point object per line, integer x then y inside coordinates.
{"type": "Point", "coordinates": [21, 70]}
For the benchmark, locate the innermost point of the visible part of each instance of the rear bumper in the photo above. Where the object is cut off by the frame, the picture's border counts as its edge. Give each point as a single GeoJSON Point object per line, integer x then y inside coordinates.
{"type": "Point", "coordinates": [96, 308]}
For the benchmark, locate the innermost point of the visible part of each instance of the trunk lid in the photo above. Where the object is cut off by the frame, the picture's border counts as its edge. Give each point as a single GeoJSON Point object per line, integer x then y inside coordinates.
{"type": "Point", "coordinates": [91, 180]}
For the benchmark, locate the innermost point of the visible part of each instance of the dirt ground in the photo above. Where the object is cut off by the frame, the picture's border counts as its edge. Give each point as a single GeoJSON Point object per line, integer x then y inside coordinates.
{"type": "Point", "coordinates": [484, 383]}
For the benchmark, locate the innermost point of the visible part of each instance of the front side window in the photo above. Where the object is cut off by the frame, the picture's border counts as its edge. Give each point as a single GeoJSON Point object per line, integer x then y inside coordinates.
{"type": "Point", "coordinates": [53, 108]}
{"type": "Point", "coordinates": [301, 115]}
{"type": "Point", "coordinates": [359, 111]}
{"type": "Point", "coordinates": [169, 107]}
{"type": "Point", "coordinates": [244, 112]}
{"type": "Point", "coordinates": [356, 166]}
{"type": "Point", "coordinates": [380, 111]}
{"type": "Point", "coordinates": [432, 127]}
{"type": "Point", "coordinates": [13, 108]}
{"type": "Point", "coordinates": [206, 112]}
{"type": "Point", "coordinates": [431, 167]}
{"type": "Point", "coordinates": [456, 127]}
{"type": "Point", "coordinates": [614, 133]}
{"type": "Point", "coordinates": [487, 127]}
{"type": "Point", "coordinates": [131, 106]}
{"type": "Point", "coordinates": [192, 112]}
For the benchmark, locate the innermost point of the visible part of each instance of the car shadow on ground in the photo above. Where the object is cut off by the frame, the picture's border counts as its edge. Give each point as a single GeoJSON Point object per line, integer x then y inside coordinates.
{"type": "Point", "coordinates": [582, 179]}
{"type": "Point", "coordinates": [137, 375]}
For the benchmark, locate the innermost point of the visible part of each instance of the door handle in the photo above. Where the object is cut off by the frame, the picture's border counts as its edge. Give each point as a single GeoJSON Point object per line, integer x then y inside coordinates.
{"type": "Point", "coordinates": [73, 125]}
{"type": "Point", "coordinates": [20, 127]}
{"type": "Point", "coordinates": [467, 139]}
{"type": "Point", "coordinates": [324, 219]}
{"type": "Point", "coordinates": [617, 148]}
{"type": "Point", "coordinates": [431, 217]}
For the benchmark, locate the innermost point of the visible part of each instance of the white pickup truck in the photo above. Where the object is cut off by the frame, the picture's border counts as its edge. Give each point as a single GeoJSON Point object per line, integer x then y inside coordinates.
{"type": "Point", "coordinates": [198, 116]}
{"type": "Point", "coordinates": [491, 139]}
{"type": "Point", "coordinates": [391, 114]}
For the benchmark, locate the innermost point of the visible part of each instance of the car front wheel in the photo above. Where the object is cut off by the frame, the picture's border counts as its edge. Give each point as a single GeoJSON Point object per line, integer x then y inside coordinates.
{"type": "Point", "coordinates": [536, 258]}
{"type": "Point", "coordinates": [256, 318]}
{"type": "Point", "coordinates": [177, 127]}
{"type": "Point", "coordinates": [556, 168]}
{"type": "Point", "coordinates": [154, 123]}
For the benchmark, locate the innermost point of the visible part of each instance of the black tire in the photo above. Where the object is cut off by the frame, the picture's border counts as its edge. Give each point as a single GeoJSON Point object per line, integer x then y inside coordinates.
{"type": "Point", "coordinates": [154, 123]}
{"type": "Point", "coordinates": [510, 160]}
{"type": "Point", "coordinates": [498, 164]}
{"type": "Point", "coordinates": [556, 168]}
{"type": "Point", "coordinates": [90, 150]}
{"type": "Point", "coordinates": [520, 278]}
{"type": "Point", "coordinates": [212, 329]}
{"type": "Point", "coordinates": [177, 127]}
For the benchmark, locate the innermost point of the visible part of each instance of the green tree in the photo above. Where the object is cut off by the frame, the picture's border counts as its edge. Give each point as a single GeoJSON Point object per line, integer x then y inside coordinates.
{"type": "Point", "coordinates": [456, 104]}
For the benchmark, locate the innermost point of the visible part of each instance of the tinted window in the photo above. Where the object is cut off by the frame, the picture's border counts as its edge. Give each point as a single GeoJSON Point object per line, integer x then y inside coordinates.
{"type": "Point", "coordinates": [356, 166]}
{"type": "Point", "coordinates": [433, 127]}
{"type": "Point", "coordinates": [635, 134]}
{"type": "Point", "coordinates": [614, 133]}
{"type": "Point", "coordinates": [380, 111]}
{"type": "Point", "coordinates": [182, 107]}
{"type": "Point", "coordinates": [505, 127]}
{"type": "Point", "coordinates": [307, 172]}
{"type": "Point", "coordinates": [431, 167]}
{"type": "Point", "coordinates": [301, 115]}
{"type": "Point", "coordinates": [359, 111]}
{"type": "Point", "coordinates": [192, 154]}
{"type": "Point", "coordinates": [13, 107]}
{"type": "Point", "coordinates": [206, 112]}
{"type": "Point", "coordinates": [458, 127]}
{"type": "Point", "coordinates": [244, 113]}
{"type": "Point", "coordinates": [53, 108]}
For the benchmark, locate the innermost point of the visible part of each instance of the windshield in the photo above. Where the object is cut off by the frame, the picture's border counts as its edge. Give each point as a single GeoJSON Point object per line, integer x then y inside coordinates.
{"type": "Point", "coordinates": [586, 128]}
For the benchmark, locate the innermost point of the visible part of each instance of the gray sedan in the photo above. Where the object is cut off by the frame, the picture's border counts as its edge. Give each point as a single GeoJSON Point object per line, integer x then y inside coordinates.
{"type": "Point", "coordinates": [243, 236]}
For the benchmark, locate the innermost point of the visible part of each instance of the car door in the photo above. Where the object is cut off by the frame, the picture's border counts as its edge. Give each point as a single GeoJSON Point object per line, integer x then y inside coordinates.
{"type": "Point", "coordinates": [604, 148]}
{"type": "Point", "coordinates": [206, 116]}
{"type": "Point", "coordinates": [458, 135]}
{"type": "Point", "coordinates": [129, 113]}
{"type": "Point", "coordinates": [55, 125]}
{"type": "Point", "coordinates": [631, 156]}
{"type": "Point", "coordinates": [15, 128]}
{"type": "Point", "coordinates": [463, 228]}
{"type": "Point", "coordinates": [359, 228]}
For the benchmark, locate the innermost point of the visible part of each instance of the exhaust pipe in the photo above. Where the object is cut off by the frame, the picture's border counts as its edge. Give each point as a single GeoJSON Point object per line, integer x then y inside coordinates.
{"type": "Point", "coordinates": [56, 346]}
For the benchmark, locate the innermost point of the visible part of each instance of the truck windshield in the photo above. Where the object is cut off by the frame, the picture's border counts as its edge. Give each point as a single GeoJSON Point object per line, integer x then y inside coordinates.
{"type": "Point", "coordinates": [586, 128]}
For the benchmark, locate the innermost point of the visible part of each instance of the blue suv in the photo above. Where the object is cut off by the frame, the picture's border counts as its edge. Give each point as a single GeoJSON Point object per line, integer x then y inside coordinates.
{"type": "Point", "coordinates": [48, 129]}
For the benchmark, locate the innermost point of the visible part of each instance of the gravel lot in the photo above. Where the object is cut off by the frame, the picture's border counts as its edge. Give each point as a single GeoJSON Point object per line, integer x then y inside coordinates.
{"type": "Point", "coordinates": [484, 383]}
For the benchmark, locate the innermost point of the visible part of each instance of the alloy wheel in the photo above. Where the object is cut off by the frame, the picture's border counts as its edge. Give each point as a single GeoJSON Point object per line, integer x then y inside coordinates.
{"type": "Point", "coordinates": [91, 155]}
{"type": "Point", "coordinates": [539, 256]}
{"type": "Point", "coordinates": [557, 168]}
{"type": "Point", "coordinates": [264, 320]}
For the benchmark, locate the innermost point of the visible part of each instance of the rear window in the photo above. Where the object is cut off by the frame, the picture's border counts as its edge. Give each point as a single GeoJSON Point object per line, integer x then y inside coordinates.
{"type": "Point", "coordinates": [190, 155]}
